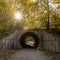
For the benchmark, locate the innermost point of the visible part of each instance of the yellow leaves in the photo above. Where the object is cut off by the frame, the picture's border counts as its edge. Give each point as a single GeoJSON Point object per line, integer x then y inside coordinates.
{"type": "Point", "coordinates": [56, 1]}
{"type": "Point", "coordinates": [26, 28]}
{"type": "Point", "coordinates": [7, 52]}
{"type": "Point", "coordinates": [33, 12]}
{"type": "Point", "coordinates": [2, 1]}
{"type": "Point", "coordinates": [5, 6]}
{"type": "Point", "coordinates": [30, 1]}
{"type": "Point", "coordinates": [2, 5]}
{"type": "Point", "coordinates": [32, 23]}
{"type": "Point", "coordinates": [58, 7]}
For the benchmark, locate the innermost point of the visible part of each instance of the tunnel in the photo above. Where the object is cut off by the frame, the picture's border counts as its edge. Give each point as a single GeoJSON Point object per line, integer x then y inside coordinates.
{"type": "Point", "coordinates": [29, 40]}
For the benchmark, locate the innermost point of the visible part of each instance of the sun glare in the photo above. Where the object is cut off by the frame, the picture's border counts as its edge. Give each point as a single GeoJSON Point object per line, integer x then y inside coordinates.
{"type": "Point", "coordinates": [34, 0]}
{"type": "Point", "coordinates": [18, 16]}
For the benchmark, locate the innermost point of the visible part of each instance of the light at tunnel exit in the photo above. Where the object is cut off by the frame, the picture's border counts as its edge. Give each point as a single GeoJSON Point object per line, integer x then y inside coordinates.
{"type": "Point", "coordinates": [29, 40]}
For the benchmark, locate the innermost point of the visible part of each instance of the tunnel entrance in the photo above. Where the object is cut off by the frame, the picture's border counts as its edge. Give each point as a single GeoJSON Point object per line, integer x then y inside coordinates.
{"type": "Point", "coordinates": [29, 40]}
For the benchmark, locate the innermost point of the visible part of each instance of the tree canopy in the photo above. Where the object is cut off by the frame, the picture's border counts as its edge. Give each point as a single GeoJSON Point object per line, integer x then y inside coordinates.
{"type": "Point", "coordinates": [36, 14]}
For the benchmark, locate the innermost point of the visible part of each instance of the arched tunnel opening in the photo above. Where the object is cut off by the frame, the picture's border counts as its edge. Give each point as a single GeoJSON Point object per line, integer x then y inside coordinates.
{"type": "Point", "coordinates": [29, 40]}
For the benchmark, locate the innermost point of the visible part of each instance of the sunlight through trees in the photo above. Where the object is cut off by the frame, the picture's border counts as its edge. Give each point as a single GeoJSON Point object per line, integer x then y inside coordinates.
{"type": "Point", "coordinates": [35, 13]}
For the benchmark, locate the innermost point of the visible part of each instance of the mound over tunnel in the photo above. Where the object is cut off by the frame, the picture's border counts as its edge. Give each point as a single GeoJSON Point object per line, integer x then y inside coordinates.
{"type": "Point", "coordinates": [29, 40]}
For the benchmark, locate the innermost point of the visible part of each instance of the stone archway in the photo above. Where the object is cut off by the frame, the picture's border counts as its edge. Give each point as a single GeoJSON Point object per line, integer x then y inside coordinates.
{"type": "Point", "coordinates": [26, 42]}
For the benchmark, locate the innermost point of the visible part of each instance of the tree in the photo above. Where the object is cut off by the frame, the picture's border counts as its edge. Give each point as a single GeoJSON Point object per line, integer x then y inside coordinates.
{"type": "Point", "coordinates": [37, 13]}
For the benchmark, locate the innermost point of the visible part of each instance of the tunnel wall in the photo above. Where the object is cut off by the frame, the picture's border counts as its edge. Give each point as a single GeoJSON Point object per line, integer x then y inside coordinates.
{"type": "Point", "coordinates": [47, 41]}
{"type": "Point", "coordinates": [11, 41]}
{"type": "Point", "coordinates": [51, 42]}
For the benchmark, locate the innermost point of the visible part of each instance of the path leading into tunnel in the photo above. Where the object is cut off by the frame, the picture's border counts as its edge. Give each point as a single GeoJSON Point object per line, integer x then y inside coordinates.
{"type": "Point", "coordinates": [29, 54]}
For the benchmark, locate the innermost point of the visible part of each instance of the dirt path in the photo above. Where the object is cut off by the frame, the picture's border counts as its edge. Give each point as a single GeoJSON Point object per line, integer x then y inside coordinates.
{"type": "Point", "coordinates": [29, 54]}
